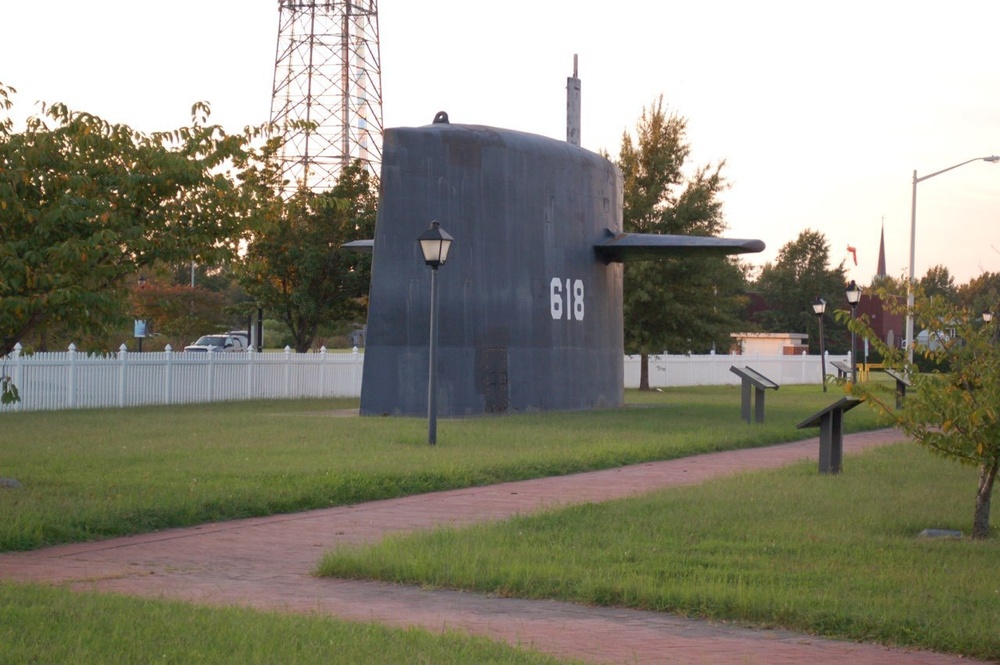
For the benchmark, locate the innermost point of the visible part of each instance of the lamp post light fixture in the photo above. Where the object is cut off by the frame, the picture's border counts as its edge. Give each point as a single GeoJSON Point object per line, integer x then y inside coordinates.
{"type": "Point", "coordinates": [819, 306]}
{"type": "Point", "coordinates": [987, 320]}
{"type": "Point", "coordinates": [853, 294]}
{"type": "Point", "coordinates": [434, 245]}
{"type": "Point", "coordinates": [992, 159]}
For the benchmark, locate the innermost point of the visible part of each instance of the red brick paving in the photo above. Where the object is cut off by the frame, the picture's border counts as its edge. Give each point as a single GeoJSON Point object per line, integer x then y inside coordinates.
{"type": "Point", "coordinates": [267, 563]}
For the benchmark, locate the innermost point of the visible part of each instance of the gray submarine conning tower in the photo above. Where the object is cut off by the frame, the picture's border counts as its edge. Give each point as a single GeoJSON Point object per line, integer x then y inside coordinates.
{"type": "Point", "coordinates": [530, 298]}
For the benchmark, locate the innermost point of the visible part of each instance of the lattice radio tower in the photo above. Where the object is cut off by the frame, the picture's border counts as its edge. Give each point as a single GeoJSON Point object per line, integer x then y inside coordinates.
{"type": "Point", "coordinates": [327, 74]}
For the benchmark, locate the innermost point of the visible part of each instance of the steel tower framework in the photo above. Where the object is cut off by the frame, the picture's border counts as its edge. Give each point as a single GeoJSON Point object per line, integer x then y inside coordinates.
{"type": "Point", "coordinates": [327, 94]}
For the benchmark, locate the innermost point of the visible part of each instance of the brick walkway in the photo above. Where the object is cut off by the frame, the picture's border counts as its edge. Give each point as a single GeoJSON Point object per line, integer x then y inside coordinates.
{"type": "Point", "coordinates": [267, 563]}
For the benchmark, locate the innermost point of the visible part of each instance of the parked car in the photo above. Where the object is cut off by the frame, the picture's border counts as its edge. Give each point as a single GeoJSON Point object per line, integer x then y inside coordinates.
{"type": "Point", "coordinates": [217, 344]}
{"type": "Point", "coordinates": [243, 335]}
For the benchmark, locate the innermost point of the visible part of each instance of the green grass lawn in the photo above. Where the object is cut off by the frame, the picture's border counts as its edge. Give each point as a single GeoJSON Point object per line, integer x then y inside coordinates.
{"type": "Point", "coordinates": [832, 555]}
{"type": "Point", "coordinates": [93, 474]}
{"type": "Point", "coordinates": [100, 473]}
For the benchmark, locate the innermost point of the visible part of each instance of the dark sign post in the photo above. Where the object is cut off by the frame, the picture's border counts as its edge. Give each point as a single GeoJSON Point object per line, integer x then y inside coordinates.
{"type": "Point", "coordinates": [830, 421]}
{"type": "Point", "coordinates": [753, 380]}
{"type": "Point", "coordinates": [139, 331]}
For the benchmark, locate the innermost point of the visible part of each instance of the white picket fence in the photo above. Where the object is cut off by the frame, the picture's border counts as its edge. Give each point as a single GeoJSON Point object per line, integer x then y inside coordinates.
{"type": "Point", "coordinates": [667, 371]}
{"type": "Point", "coordinates": [73, 380]}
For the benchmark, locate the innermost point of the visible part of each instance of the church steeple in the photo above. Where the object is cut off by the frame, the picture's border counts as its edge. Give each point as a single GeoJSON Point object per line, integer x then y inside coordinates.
{"type": "Point", "coordinates": [880, 272]}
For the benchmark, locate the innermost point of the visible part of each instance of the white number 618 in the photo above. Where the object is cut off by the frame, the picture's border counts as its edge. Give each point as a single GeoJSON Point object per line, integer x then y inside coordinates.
{"type": "Point", "coordinates": [570, 307]}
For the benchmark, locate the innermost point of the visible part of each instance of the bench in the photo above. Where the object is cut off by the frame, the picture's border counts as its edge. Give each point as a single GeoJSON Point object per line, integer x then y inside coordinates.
{"type": "Point", "coordinates": [902, 383]}
{"type": "Point", "coordinates": [830, 421]}
{"type": "Point", "coordinates": [753, 379]}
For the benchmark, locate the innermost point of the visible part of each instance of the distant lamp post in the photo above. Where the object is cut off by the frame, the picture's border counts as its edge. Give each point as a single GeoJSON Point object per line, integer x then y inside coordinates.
{"type": "Point", "coordinates": [992, 159]}
{"type": "Point", "coordinates": [819, 306]}
{"type": "Point", "coordinates": [853, 294]}
{"type": "Point", "coordinates": [140, 324]}
{"type": "Point", "coordinates": [434, 245]}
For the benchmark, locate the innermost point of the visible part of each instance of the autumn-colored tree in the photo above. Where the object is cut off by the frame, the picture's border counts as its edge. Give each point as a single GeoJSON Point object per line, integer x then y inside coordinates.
{"type": "Point", "coordinates": [952, 404]}
{"type": "Point", "coordinates": [86, 205]}
{"type": "Point", "coordinates": [180, 312]}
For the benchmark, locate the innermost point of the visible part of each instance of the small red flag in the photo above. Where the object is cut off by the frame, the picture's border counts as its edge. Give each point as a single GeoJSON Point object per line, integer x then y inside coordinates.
{"type": "Point", "coordinates": [854, 253]}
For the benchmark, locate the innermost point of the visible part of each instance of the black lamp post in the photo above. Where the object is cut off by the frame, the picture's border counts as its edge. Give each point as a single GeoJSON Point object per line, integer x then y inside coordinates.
{"type": "Point", "coordinates": [853, 297]}
{"type": "Point", "coordinates": [434, 245]}
{"type": "Point", "coordinates": [819, 306]}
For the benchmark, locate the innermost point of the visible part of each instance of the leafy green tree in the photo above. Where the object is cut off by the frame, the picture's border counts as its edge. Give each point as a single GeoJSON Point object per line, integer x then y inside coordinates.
{"type": "Point", "coordinates": [800, 274]}
{"type": "Point", "coordinates": [951, 406]}
{"type": "Point", "coordinates": [85, 205]}
{"type": "Point", "coordinates": [939, 282]}
{"type": "Point", "coordinates": [676, 304]}
{"type": "Point", "coordinates": [295, 266]}
{"type": "Point", "coordinates": [981, 294]}
{"type": "Point", "coordinates": [889, 284]}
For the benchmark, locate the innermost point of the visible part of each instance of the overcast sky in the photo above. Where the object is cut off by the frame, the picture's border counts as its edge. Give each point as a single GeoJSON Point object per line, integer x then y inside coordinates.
{"type": "Point", "coordinates": [822, 111]}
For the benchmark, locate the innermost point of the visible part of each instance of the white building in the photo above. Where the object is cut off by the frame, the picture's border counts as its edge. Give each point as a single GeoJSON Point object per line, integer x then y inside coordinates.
{"type": "Point", "coordinates": [771, 344]}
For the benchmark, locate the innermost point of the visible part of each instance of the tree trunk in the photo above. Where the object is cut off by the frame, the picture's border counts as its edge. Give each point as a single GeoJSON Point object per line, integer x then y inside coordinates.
{"type": "Point", "coordinates": [643, 371]}
{"type": "Point", "coordinates": [981, 519]}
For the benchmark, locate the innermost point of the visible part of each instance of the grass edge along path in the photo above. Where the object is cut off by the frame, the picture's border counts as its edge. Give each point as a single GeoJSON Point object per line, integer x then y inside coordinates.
{"type": "Point", "coordinates": [96, 474]}
{"type": "Point", "coordinates": [831, 555]}
{"type": "Point", "coordinates": [55, 625]}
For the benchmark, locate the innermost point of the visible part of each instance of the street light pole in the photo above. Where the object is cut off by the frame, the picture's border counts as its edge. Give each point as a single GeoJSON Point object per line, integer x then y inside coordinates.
{"type": "Point", "coordinates": [853, 298]}
{"type": "Point", "coordinates": [993, 159]}
{"type": "Point", "coordinates": [819, 306]}
{"type": "Point", "coordinates": [434, 245]}
{"type": "Point", "coordinates": [432, 364]}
